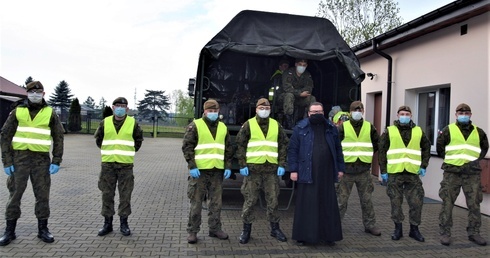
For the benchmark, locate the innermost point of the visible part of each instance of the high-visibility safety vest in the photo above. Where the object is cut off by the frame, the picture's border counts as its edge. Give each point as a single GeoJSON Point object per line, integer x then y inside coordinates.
{"type": "Point", "coordinates": [118, 146]}
{"type": "Point", "coordinates": [33, 134]}
{"type": "Point", "coordinates": [274, 87]}
{"type": "Point", "coordinates": [401, 157]}
{"type": "Point", "coordinates": [357, 147]}
{"type": "Point", "coordinates": [210, 152]}
{"type": "Point", "coordinates": [460, 151]}
{"type": "Point", "coordinates": [261, 148]}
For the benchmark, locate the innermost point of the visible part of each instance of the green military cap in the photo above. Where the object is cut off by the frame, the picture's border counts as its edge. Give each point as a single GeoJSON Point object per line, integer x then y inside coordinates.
{"type": "Point", "coordinates": [263, 102]}
{"type": "Point", "coordinates": [120, 100]}
{"type": "Point", "coordinates": [211, 104]}
{"type": "Point", "coordinates": [356, 105]}
{"type": "Point", "coordinates": [404, 108]}
{"type": "Point", "coordinates": [463, 107]}
{"type": "Point", "coordinates": [34, 85]}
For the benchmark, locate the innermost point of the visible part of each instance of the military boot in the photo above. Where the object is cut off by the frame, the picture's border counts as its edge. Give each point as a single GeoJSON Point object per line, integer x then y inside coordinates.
{"type": "Point", "coordinates": [415, 233]}
{"type": "Point", "coordinates": [125, 227]}
{"type": "Point", "coordinates": [9, 234]}
{"type": "Point", "coordinates": [245, 236]}
{"type": "Point", "coordinates": [398, 233]}
{"type": "Point", "coordinates": [277, 233]}
{"type": "Point", "coordinates": [477, 239]}
{"type": "Point", "coordinates": [43, 233]}
{"type": "Point", "coordinates": [107, 228]}
{"type": "Point", "coordinates": [220, 234]}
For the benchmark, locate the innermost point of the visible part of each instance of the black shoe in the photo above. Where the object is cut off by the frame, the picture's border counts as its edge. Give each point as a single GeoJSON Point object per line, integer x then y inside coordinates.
{"type": "Point", "coordinates": [125, 227]}
{"type": "Point", "coordinates": [415, 233]}
{"type": "Point", "coordinates": [107, 228]}
{"type": "Point", "coordinates": [245, 235]}
{"type": "Point", "coordinates": [277, 233]}
{"type": "Point", "coordinates": [9, 234]}
{"type": "Point", "coordinates": [300, 243]}
{"type": "Point", "coordinates": [44, 233]}
{"type": "Point", "coordinates": [398, 233]}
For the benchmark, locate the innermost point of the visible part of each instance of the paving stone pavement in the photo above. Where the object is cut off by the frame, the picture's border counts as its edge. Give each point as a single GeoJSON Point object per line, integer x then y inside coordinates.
{"type": "Point", "coordinates": [160, 208]}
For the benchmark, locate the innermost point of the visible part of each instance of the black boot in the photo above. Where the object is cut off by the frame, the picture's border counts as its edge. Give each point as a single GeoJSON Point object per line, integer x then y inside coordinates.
{"type": "Point", "coordinates": [44, 231]}
{"type": "Point", "coordinates": [245, 236]}
{"type": "Point", "coordinates": [107, 228]}
{"type": "Point", "coordinates": [124, 226]}
{"type": "Point", "coordinates": [277, 233]}
{"type": "Point", "coordinates": [415, 233]}
{"type": "Point", "coordinates": [9, 234]}
{"type": "Point", "coordinates": [398, 231]}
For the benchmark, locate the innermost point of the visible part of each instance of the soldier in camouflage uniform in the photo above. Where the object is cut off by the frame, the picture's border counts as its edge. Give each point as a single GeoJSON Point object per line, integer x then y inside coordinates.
{"type": "Point", "coordinates": [298, 86]}
{"type": "Point", "coordinates": [119, 137]}
{"type": "Point", "coordinates": [462, 145]}
{"type": "Point", "coordinates": [208, 151]}
{"type": "Point", "coordinates": [261, 153]}
{"type": "Point", "coordinates": [359, 142]}
{"type": "Point", "coordinates": [26, 138]}
{"type": "Point", "coordinates": [404, 153]}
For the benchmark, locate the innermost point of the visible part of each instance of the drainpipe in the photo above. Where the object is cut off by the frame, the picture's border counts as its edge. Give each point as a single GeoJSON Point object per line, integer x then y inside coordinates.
{"type": "Point", "coordinates": [388, 86]}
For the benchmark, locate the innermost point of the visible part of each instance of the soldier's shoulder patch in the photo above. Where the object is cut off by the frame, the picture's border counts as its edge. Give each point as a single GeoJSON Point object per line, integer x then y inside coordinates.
{"type": "Point", "coordinates": [189, 127]}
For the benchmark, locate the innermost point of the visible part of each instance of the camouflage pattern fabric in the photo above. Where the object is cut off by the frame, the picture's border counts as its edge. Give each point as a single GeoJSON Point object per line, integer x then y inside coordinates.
{"type": "Point", "coordinates": [406, 185]}
{"type": "Point", "coordinates": [293, 85]}
{"type": "Point", "coordinates": [268, 181]}
{"type": "Point", "coordinates": [111, 175]}
{"type": "Point", "coordinates": [208, 184]}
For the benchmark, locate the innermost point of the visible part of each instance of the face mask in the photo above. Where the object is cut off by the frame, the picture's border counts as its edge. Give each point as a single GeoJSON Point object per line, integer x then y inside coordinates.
{"type": "Point", "coordinates": [463, 119]}
{"type": "Point", "coordinates": [120, 111]}
{"type": "Point", "coordinates": [316, 119]}
{"type": "Point", "coordinates": [300, 69]}
{"type": "Point", "coordinates": [356, 115]}
{"type": "Point", "coordinates": [264, 113]}
{"type": "Point", "coordinates": [35, 97]}
{"type": "Point", "coordinates": [212, 116]}
{"type": "Point", "coordinates": [404, 119]}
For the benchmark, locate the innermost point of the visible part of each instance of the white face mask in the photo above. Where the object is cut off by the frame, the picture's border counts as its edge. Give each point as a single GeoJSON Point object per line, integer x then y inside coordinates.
{"type": "Point", "coordinates": [264, 113]}
{"type": "Point", "coordinates": [300, 69]}
{"type": "Point", "coordinates": [35, 97]}
{"type": "Point", "coordinates": [356, 115]}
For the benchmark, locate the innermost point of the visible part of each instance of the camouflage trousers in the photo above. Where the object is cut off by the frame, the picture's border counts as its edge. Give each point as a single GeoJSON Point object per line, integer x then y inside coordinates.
{"type": "Point", "coordinates": [112, 175]}
{"type": "Point", "coordinates": [208, 184]}
{"type": "Point", "coordinates": [365, 188]}
{"type": "Point", "coordinates": [408, 185]}
{"type": "Point", "coordinates": [41, 184]}
{"type": "Point", "coordinates": [290, 102]}
{"type": "Point", "coordinates": [252, 184]}
{"type": "Point", "coordinates": [451, 185]}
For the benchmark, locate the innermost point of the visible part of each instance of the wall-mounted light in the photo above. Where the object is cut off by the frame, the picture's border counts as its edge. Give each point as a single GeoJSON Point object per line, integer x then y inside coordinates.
{"type": "Point", "coordinates": [371, 75]}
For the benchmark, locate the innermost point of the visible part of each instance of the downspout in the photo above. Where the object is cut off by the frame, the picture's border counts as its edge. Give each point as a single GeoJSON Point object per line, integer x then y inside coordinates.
{"type": "Point", "coordinates": [389, 82]}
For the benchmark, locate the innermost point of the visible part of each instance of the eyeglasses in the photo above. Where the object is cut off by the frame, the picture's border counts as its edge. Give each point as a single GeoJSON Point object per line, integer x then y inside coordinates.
{"type": "Point", "coordinates": [35, 91]}
{"type": "Point", "coordinates": [316, 111]}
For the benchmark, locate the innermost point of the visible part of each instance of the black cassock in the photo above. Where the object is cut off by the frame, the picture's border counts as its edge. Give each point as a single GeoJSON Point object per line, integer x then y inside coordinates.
{"type": "Point", "coordinates": [316, 214]}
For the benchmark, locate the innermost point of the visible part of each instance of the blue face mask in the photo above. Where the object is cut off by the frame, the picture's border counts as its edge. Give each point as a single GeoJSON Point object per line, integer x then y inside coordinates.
{"type": "Point", "coordinates": [212, 116]}
{"type": "Point", "coordinates": [463, 119]}
{"type": "Point", "coordinates": [120, 111]}
{"type": "Point", "coordinates": [404, 119]}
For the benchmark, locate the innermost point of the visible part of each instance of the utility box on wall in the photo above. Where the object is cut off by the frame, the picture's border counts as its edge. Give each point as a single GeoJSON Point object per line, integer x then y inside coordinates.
{"type": "Point", "coordinates": [485, 175]}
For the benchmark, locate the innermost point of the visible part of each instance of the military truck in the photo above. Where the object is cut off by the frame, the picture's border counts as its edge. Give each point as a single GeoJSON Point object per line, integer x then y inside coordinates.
{"type": "Point", "coordinates": [236, 65]}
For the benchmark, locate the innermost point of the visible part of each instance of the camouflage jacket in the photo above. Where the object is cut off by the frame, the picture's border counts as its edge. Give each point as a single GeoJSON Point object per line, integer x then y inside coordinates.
{"type": "Point", "coordinates": [137, 133]}
{"type": "Point", "coordinates": [190, 142]}
{"type": "Point", "coordinates": [443, 140]}
{"type": "Point", "coordinates": [358, 166]}
{"type": "Point", "coordinates": [406, 134]}
{"type": "Point", "coordinates": [10, 128]}
{"type": "Point", "coordinates": [243, 137]}
{"type": "Point", "coordinates": [292, 83]}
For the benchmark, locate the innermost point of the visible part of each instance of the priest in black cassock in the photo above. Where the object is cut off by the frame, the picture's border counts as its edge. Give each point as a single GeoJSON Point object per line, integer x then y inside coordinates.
{"type": "Point", "coordinates": [316, 162]}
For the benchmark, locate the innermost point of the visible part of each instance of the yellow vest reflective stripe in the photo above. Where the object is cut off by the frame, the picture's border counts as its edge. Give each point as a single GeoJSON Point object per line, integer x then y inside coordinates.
{"type": "Point", "coordinates": [271, 89]}
{"type": "Point", "coordinates": [210, 152]}
{"type": "Point", "coordinates": [33, 134]}
{"type": "Point", "coordinates": [401, 157]}
{"type": "Point", "coordinates": [118, 146]}
{"type": "Point", "coordinates": [357, 147]}
{"type": "Point", "coordinates": [460, 151]}
{"type": "Point", "coordinates": [261, 148]}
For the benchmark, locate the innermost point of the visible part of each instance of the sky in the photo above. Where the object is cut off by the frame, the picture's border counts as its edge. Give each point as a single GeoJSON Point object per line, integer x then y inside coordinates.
{"type": "Point", "coordinates": [112, 48]}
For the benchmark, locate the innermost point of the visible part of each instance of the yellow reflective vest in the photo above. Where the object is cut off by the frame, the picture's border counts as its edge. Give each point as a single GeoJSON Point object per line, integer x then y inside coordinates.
{"type": "Point", "coordinates": [210, 152]}
{"type": "Point", "coordinates": [118, 146]}
{"type": "Point", "coordinates": [401, 157]}
{"type": "Point", "coordinates": [460, 151]}
{"type": "Point", "coordinates": [357, 147]}
{"type": "Point", "coordinates": [33, 134]}
{"type": "Point", "coordinates": [261, 148]}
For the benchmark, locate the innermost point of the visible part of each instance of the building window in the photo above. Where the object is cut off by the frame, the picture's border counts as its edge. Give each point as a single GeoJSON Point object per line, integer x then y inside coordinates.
{"type": "Point", "coordinates": [433, 113]}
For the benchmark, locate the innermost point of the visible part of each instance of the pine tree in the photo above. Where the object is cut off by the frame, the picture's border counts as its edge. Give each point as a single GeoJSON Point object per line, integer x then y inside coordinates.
{"type": "Point", "coordinates": [75, 118]}
{"type": "Point", "coordinates": [154, 104]}
{"type": "Point", "coordinates": [89, 102]}
{"type": "Point", "coordinates": [61, 99]}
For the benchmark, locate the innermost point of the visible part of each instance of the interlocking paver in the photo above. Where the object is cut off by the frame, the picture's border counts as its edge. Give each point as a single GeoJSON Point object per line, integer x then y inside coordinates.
{"type": "Point", "coordinates": [160, 209]}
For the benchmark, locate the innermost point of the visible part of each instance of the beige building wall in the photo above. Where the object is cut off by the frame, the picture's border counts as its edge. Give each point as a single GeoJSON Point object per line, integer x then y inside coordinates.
{"type": "Point", "coordinates": [444, 57]}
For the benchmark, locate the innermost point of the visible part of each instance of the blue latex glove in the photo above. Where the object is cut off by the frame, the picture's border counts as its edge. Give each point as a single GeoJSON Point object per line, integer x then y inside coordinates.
{"type": "Point", "coordinates": [385, 178]}
{"type": "Point", "coordinates": [280, 171]}
{"type": "Point", "coordinates": [194, 173]}
{"type": "Point", "coordinates": [227, 173]}
{"type": "Point", "coordinates": [422, 172]}
{"type": "Point", "coordinates": [244, 171]}
{"type": "Point", "coordinates": [53, 169]}
{"type": "Point", "coordinates": [9, 170]}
